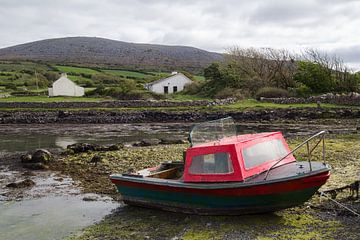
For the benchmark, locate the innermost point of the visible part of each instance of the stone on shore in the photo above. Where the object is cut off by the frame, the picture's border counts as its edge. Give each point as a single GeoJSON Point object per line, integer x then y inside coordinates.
{"type": "Point", "coordinates": [39, 160]}
{"type": "Point", "coordinates": [21, 184]}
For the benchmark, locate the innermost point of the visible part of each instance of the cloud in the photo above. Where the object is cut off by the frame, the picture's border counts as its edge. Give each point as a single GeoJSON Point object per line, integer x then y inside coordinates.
{"type": "Point", "coordinates": [212, 25]}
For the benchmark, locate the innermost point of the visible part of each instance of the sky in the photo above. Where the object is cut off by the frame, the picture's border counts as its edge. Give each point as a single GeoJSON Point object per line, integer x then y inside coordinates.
{"type": "Point", "coordinates": [213, 25]}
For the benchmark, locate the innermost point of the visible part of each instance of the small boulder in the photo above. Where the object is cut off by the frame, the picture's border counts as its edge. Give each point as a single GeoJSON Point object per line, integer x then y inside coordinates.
{"type": "Point", "coordinates": [81, 147]}
{"type": "Point", "coordinates": [26, 158]}
{"type": "Point", "coordinates": [41, 156]}
{"type": "Point", "coordinates": [148, 142]}
{"type": "Point", "coordinates": [115, 147]}
{"type": "Point", "coordinates": [21, 184]}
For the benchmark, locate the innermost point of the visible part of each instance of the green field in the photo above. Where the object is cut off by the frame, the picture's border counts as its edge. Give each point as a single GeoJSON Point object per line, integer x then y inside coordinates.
{"type": "Point", "coordinates": [19, 66]}
{"type": "Point", "coordinates": [125, 73]}
{"type": "Point", "coordinates": [199, 78]}
{"type": "Point", "coordinates": [69, 69]}
{"type": "Point", "coordinates": [51, 99]}
{"type": "Point", "coordinates": [254, 104]}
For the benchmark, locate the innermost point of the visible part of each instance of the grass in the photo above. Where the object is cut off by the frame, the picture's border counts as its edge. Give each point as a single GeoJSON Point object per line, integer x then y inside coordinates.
{"type": "Point", "coordinates": [185, 97]}
{"type": "Point", "coordinates": [199, 78]}
{"type": "Point", "coordinates": [50, 99]}
{"type": "Point", "coordinates": [8, 66]}
{"type": "Point", "coordinates": [254, 104]}
{"type": "Point", "coordinates": [69, 69]}
{"type": "Point", "coordinates": [125, 73]}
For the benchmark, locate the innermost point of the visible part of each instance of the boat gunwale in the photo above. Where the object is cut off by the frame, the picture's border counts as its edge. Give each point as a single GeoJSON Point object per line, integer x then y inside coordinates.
{"type": "Point", "coordinates": [217, 185]}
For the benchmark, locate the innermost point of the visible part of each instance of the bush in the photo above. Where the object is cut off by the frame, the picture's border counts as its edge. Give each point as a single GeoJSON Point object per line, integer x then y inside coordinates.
{"type": "Point", "coordinates": [230, 93]}
{"type": "Point", "coordinates": [302, 91]}
{"type": "Point", "coordinates": [193, 88]}
{"type": "Point", "coordinates": [271, 92]}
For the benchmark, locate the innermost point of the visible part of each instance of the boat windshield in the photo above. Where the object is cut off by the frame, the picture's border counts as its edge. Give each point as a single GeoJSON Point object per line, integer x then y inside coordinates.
{"type": "Point", "coordinates": [263, 152]}
{"type": "Point", "coordinates": [212, 131]}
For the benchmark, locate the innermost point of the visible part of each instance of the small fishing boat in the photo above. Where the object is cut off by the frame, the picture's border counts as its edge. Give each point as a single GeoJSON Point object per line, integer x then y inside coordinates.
{"type": "Point", "coordinates": [224, 173]}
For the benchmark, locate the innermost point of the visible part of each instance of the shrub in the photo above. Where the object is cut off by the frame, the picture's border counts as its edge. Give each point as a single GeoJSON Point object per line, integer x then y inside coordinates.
{"type": "Point", "coordinates": [271, 92]}
{"type": "Point", "coordinates": [302, 91]}
{"type": "Point", "coordinates": [193, 88]}
{"type": "Point", "coordinates": [230, 93]}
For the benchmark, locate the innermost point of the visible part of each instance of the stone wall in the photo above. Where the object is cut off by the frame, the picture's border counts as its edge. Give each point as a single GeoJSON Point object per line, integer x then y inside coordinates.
{"type": "Point", "coordinates": [143, 116]}
{"type": "Point", "coordinates": [114, 104]}
{"type": "Point", "coordinates": [340, 99]}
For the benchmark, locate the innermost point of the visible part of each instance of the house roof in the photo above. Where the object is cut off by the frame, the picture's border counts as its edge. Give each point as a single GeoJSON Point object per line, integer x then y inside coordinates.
{"type": "Point", "coordinates": [167, 78]}
{"type": "Point", "coordinates": [62, 78]}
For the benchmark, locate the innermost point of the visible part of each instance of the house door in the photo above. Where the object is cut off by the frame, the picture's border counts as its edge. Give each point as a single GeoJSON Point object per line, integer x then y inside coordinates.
{"type": "Point", "coordinates": [166, 89]}
{"type": "Point", "coordinates": [174, 89]}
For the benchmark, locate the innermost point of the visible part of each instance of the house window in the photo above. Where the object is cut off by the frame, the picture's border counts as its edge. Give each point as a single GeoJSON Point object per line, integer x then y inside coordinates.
{"type": "Point", "coordinates": [174, 89]}
{"type": "Point", "coordinates": [166, 89]}
{"type": "Point", "coordinates": [217, 163]}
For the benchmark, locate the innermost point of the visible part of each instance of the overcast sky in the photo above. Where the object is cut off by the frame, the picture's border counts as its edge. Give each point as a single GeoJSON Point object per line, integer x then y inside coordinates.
{"type": "Point", "coordinates": [213, 25]}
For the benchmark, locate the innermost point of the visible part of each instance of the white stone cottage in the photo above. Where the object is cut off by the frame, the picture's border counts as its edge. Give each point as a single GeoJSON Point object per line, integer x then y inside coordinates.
{"type": "Point", "coordinates": [65, 87]}
{"type": "Point", "coordinates": [174, 83]}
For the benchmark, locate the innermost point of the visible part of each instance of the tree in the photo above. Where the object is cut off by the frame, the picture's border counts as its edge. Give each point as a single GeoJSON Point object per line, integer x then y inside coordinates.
{"type": "Point", "coordinates": [339, 77]}
{"type": "Point", "coordinates": [275, 67]}
{"type": "Point", "coordinates": [314, 76]}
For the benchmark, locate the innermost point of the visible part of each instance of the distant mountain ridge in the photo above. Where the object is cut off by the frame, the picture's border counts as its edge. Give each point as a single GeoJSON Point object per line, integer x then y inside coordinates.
{"type": "Point", "coordinates": [101, 51]}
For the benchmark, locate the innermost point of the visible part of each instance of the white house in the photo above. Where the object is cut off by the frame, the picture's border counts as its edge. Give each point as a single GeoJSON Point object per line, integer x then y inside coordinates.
{"type": "Point", "coordinates": [65, 87]}
{"type": "Point", "coordinates": [174, 83]}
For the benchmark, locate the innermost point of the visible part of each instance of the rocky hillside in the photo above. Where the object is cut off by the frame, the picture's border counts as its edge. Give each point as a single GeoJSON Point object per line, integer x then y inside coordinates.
{"type": "Point", "coordinates": [101, 51]}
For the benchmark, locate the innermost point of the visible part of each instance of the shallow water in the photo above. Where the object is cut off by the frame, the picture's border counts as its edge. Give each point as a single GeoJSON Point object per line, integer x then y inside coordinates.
{"type": "Point", "coordinates": [24, 137]}
{"type": "Point", "coordinates": [52, 209]}
{"type": "Point", "coordinates": [50, 217]}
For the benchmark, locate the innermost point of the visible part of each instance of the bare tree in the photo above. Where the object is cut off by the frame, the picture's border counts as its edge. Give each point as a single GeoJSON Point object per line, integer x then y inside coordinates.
{"type": "Point", "coordinates": [275, 67]}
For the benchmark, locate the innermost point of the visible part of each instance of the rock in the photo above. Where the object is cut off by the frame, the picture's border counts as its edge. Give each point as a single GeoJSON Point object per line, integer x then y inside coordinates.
{"type": "Point", "coordinates": [68, 152]}
{"type": "Point", "coordinates": [148, 142]}
{"type": "Point", "coordinates": [28, 173]}
{"type": "Point", "coordinates": [36, 166]}
{"type": "Point", "coordinates": [26, 158]}
{"type": "Point", "coordinates": [87, 147]}
{"type": "Point", "coordinates": [115, 147]}
{"type": "Point", "coordinates": [41, 156]}
{"type": "Point", "coordinates": [21, 184]}
{"type": "Point", "coordinates": [62, 114]}
{"type": "Point", "coordinates": [90, 198]}
{"type": "Point", "coordinates": [172, 141]}
{"type": "Point", "coordinates": [81, 147]}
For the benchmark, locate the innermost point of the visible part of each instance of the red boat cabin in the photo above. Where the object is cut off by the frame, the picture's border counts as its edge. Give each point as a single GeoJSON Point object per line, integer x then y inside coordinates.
{"type": "Point", "coordinates": [235, 158]}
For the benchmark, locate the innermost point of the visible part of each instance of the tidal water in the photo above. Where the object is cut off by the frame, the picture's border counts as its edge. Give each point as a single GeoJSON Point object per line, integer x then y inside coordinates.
{"type": "Point", "coordinates": [18, 137]}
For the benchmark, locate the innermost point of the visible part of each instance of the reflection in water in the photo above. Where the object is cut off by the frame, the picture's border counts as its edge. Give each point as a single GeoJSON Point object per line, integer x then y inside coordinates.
{"type": "Point", "coordinates": [63, 142]}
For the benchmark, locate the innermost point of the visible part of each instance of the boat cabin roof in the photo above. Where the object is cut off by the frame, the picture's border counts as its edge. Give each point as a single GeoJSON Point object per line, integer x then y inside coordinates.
{"type": "Point", "coordinates": [235, 158]}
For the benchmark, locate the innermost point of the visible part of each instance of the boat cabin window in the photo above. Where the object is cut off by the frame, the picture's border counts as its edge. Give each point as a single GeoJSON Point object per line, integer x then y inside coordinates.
{"type": "Point", "coordinates": [263, 152]}
{"type": "Point", "coordinates": [217, 163]}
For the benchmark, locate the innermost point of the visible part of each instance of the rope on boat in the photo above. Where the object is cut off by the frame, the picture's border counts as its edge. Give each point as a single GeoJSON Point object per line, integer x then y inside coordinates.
{"type": "Point", "coordinates": [341, 205]}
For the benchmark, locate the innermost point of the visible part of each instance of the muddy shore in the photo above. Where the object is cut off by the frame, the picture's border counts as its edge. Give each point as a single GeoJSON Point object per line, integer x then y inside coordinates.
{"type": "Point", "coordinates": [316, 219]}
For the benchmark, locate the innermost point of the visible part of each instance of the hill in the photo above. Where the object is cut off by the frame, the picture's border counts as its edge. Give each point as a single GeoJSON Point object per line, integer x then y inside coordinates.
{"type": "Point", "coordinates": [100, 51]}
